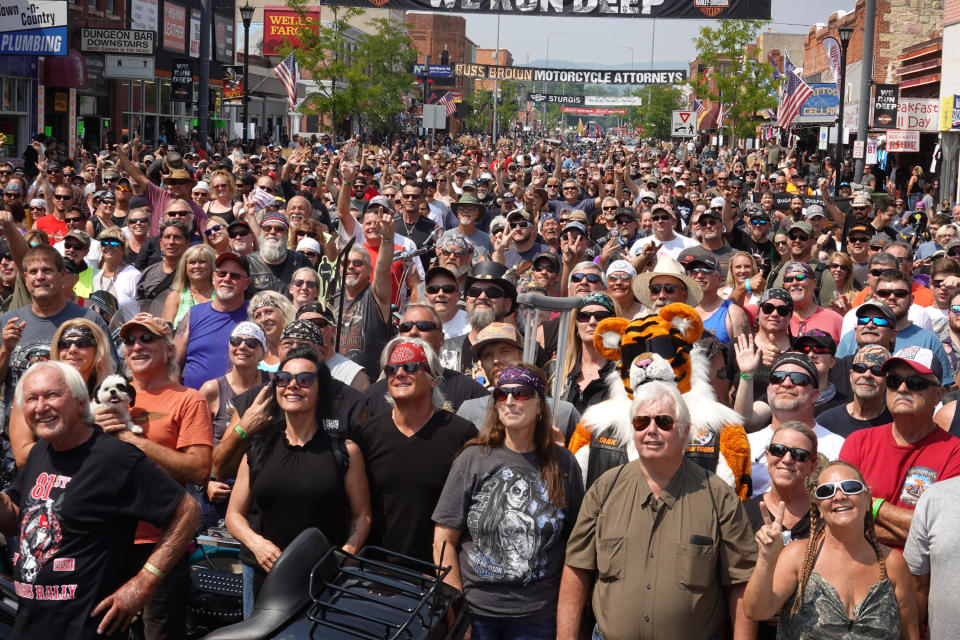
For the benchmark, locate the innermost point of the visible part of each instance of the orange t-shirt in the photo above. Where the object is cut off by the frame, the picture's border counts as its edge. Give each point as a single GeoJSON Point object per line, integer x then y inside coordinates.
{"type": "Point", "coordinates": [173, 416]}
{"type": "Point", "coordinates": [921, 295]}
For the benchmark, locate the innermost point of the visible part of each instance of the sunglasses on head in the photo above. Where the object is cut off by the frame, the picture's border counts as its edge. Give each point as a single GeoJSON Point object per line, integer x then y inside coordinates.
{"type": "Point", "coordinates": [800, 277]}
{"type": "Point", "coordinates": [780, 450]}
{"type": "Point", "coordinates": [584, 316]}
{"type": "Point", "coordinates": [592, 278]}
{"type": "Point", "coordinates": [669, 289]}
{"type": "Point", "coordinates": [421, 325]}
{"type": "Point", "coordinates": [64, 344]}
{"type": "Point", "coordinates": [798, 378]}
{"type": "Point", "coordinates": [522, 392]}
{"type": "Point", "coordinates": [827, 490]}
{"type": "Point", "coordinates": [305, 379]}
{"type": "Point", "coordinates": [492, 292]}
{"type": "Point", "coordinates": [664, 422]}
{"type": "Point", "coordinates": [861, 368]}
{"type": "Point", "coordinates": [408, 367]}
{"type": "Point", "coordinates": [143, 338]}
{"type": "Point", "coordinates": [252, 343]}
{"type": "Point", "coordinates": [914, 383]}
{"type": "Point", "coordinates": [434, 289]}
{"type": "Point", "coordinates": [217, 228]}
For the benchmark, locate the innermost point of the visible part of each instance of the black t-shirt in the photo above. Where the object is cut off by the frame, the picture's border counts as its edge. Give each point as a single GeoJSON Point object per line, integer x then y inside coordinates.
{"type": "Point", "coordinates": [347, 404]}
{"type": "Point", "coordinates": [363, 331]}
{"type": "Point", "coordinates": [78, 511]}
{"type": "Point", "coordinates": [407, 475]}
{"type": "Point", "coordinates": [418, 232]}
{"type": "Point", "coordinates": [839, 421]}
{"type": "Point", "coordinates": [273, 277]}
{"type": "Point", "coordinates": [456, 387]}
{"type": "Point", "coordinates": [741, 240]}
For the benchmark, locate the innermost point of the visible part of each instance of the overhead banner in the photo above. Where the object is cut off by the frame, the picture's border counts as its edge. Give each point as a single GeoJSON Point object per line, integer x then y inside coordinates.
{"type": "Point", "coordinates": [574, 76]}
{"type": "Point", "coordinates": [116, 41]}
{"type": "Point", "coordinates": [686, 9]}
{"type": "Point", "coordinates": [885, 106]}
{"type": "Point", "coordinates": [612, 101]}
{"type": "Point", "coordinates": [555, 98]}
{"type": "Point", "coordinates": [589, 111]}
{"type": "Point", "coordinates": [281, 25]}
{"type": "Point", "coordinates": [181, 81]}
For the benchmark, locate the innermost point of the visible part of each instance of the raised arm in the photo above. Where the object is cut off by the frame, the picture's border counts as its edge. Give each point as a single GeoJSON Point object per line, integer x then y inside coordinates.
{"type": "Point", "coordinates": [348, 171]}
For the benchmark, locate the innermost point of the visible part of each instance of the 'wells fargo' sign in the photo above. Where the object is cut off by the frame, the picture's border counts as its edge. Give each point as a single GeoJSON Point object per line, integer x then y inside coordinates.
{"type": "Point", "coordinates": [282, 25]}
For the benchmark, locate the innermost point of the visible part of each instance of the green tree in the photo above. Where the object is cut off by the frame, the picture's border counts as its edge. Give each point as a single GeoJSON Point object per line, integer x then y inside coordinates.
{"type": "Point", "coordinates": [732, 73]}
{"type": "Point", "coordinates": [480, 116]}
{"type": "Point", "coordinates": [655, 114]}
{"type": "Point", "coordinates": [369, 75]}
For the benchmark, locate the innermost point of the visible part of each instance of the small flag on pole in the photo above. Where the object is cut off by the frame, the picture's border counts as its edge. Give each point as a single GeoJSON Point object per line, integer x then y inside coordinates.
{"type": "Point", "coordinates": [448, 103]}
{"type": "Point", "coordinates": [722, 114]}
{"type": "Point", "coordinates": [287, 72]}
{"type": "Point", "coordinates": [701, 111]}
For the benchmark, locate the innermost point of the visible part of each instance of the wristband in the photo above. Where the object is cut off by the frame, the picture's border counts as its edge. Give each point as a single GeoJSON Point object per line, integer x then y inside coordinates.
{"type": "Point", "coordinates": [240, 432]}
{"type": "Point", "coordinates": [876, 506]}
{"type": "Point", "coordinates": [746, 285]}
{"type": "Point", "coordinates": [152, 569]}
{"type": "Point", "coordinates": [746, 376]}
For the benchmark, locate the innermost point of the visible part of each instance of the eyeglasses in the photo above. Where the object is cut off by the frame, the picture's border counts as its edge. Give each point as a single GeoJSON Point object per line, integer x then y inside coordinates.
{"type": "Point", "coordinates": [179, 214]}
{"type": "Point", "coordinates": [802, 237]}
{"type": "Point", "coordinates": [827, 490]}
{"type": "Point", "coordinates": [61, 197]}
{"type": "Point", "coordinates": [668, 289]}
{"type": "Point", "coordinates": [798, 378]}
{"type": "Point", "coordinates": [914, 383]}
{"type": "Point", "coordinates": [459, 253]}
{"type": "Point", "coordinates": [800, 277]}
{"type": "Point", "coordinates": [111, 243]}
{"type": "Point", "coordinates": [861, 368]}
{"type": "Point", "coordinates": [305, 379]}
{"type": "Point", "coordinates": [877, 322]}
{"type": "Point", "coordinates": [274, 228]}
{"type": "Point", "coordinates": [421, 325]}
{"type": "Point", "coordinates": [408, 367]}
{"type": "Point", "coordinates": [780, 450]}
{"type": "Point", "coordinates": [434, 289]}
{"type": "Point", "coordinates": [492, 292]}
{"type": "Point", "coordinates": [592, 278]}
{"type": "Point", "coordinates": [239, 233]}
{"type": "Point", "coordinates": [664, 422]}
{"type": "Point", "coordinates": [223, 273]}
{"type": "Point", "coordinates": [217, 228]}
{"type": "Point", "coordinates": [521, 393]}
{"type": "Point", "coordinates": [886, 293]}
{"type": "Point", "coordinates": [310, 284]}
{"type": "Point", "coordinates": [143, 338]}
{"type": "Point", "coordinates": [252, 343]}
{"type": "Point", "coordinates": [64, 344]}
{"type": "Point", "coordinates": [584, 316]}
{"type": "Point", "coordinates": [858, 239]}
{"type": "Point", "coordinates": [820, 350]}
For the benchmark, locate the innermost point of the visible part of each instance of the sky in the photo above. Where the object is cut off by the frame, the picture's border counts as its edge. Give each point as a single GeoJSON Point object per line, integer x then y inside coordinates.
{"type": "Point", "coordinates": [604, 40]}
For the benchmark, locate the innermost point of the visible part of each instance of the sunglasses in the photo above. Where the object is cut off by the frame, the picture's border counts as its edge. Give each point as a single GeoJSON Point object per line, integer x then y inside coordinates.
{"type": "Point", "coordinates": [274, 228]}
{"type": "Point", "coordinates": [179, 214]}
{"type": "Point", "coordinates": [592, 278]}
{"type": "Point", "coordinates": [780, 243]}
{"type": "Point", "coordinates": [111, 243]}
{"type": "Point", "coordinates": [780, 450]}
{"type": "Point", "coordinates": [660, 218]}
{"type": "Point", "coordinates": [252, 343]}
{"type": "Point", "coordinates": [223, 273]}
{"type": "Point", "coordinates": [73, 220]}
{"type": "Point", "coordinates": [669, 289]}
{"type": "Point", "coordinates": [240, 233]}
{"type": "Point", "coordinates": [459, 253]}
{"type": "Point", "coordinates": [492, 292]}
{"type": "Point", "coordinates": [858, 239]}
{"type": "Point", "coordinates": [814, 348]}
{"type": "Point", "coordinates": [305, 379]}
{"type": "Point", "coordinates": [877, 322]}
{"type": "Point", "coordinates": [308, 234]}
{"type": "Point", "coordinates": [955, 308]}
{"type": "Point", "coordinates": [874, 369]}
{"type": "Point", "coordinates": [79, 343]}
{"type": "Point", "coordinates": [73, 246]}
{"type": "Point", "coordinates": [886, 293]}
{"type": "Point", "coordinates": [953, 253]}
{"type": "Point", "coordinates": [800, 277]}
{"type": "Point", "coordinates": [782, 310]}
{"type": "Point", "coordinates": [914, 383]}
{"type": "Point", "coordinates": [700, 271]}
{"type": "Point", "coordinates": [619, 277]}
{"type": "Point", "coordinates": [143, 338]}
{"type": "Point", "coordinates": [217, 228]}
{"type": "Point", "coordinates": [522, 224]}
{"type": "Point", "coordinates": [758, 222]}
{"type": "Point", "coordinates": [434, 289]}
{"type": "Point", "coordinates": [129, 222]}
{"type": "Point", "coordinates": [521, 393]}
{"type": "Point", "coordinates": [837, 265]}
{"type": "Point", "coordinates": [798, 378]}
{"type": "Point", "coordinates": [827, 490]}
{"type": "Point", "coordinates": [312, 284]}
{"type": "Point", "coordinates": [664, 422]}
{"type": "Point", "coordinates": [56, 197]}
{"type": "Point", "coordinates": [421, 325]}
{"type": "Point", "coordinates": [408, 367]}
{"type": "Point", "coordinates": [584, 316]}
{"type": "Point", "coordinates": [802, 237]}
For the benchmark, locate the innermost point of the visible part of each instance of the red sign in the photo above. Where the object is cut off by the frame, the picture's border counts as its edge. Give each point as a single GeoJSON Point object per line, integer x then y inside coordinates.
{"type": "Point", "coordinates": [589, 111]}
{"type": "Point", "coordinates": [900, 141]}
{"type": "Point", "coordinates": [282, 26]}
{"type": "Point", "coordinates": [174, 27]}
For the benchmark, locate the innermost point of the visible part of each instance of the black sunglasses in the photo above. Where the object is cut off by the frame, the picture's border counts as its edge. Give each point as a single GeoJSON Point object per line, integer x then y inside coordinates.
{"type": "Point", "coordinates": [305, 379]}
{"type": "Point", "coordinates": [239, 233]}
{"type": "Point", "coordinates": [798, 378]}
{"type": "Point", "coordinates": [914, 383]}
{"type": "Point", "coordinates": [592, 278]}
{"type": "Point", "coordinates": [64, 344]}
{"type": "Point", "coordinates": [780, 450]}
{"type": "Point", "coordinates": [584, 316]}
{"type": "Point", "coordinates": [421, 325]}
{"type": "Point", "coordinates": [546, 266]}
{"type": "Point", "coordinates": [781, 310]}
{"type": "Point", "coordinates": [665, 422]}
{"type": "Point", "coordinates": [493, 293]}
{"type": "Point", "coordinates": [144, 338]}
{"type": "Point", "coordinates": [874, 369]}
{"type": "Point", "coordinates": [252, 343]}
{"type": "Point", "coordinates": [408, 367]}
{"type": "Point", "coordinates": [434, 289]}
{"type": "Point", "coordinates": [669, 289]}
{"type": "Point", "coordinates": [522, 392]}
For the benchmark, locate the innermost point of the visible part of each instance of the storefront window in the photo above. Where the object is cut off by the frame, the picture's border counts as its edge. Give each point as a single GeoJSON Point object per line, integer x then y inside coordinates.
{"type": "Point", "coordinates": [164, 96]}
{"type": "Point", "coordinates": [136, 98]}
{"type": "Point", "coordinates": [150, 96]}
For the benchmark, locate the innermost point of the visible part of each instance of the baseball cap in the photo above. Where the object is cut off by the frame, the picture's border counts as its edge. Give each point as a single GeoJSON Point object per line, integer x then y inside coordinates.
{"type": "Point", "coordinates": [920, 359]}
{"type": "Point", "coordinates": [862, 228]}
{"type": "Point", "coordinates": [80, 235]}
{"type": "Point", "coordinates": [876, 307]}
{"type": "Point", "coordinates": [802, 361]}
{"type": "Point", "coordinates": [496, 332]}
{"type": "Point", "coordinates": [382, 201]}
{"type": "Point", "coordinates": [813, 211]}
{"type": "Point", "coordinates": [154, 324]}
{"type": "Point", "coordinates": [574, 225]}
{"type": "Point", "coordinates": [692, 260]}
{"type": "Point", "coordinates": [880, 240]}
{"type": "Point", "coordinates": [806, 227]}
{"type": "Point", "coordinates": [818, 337]}
{"type": "Point", "coordinates": [547, 255]}
{"type": "Point", "coordinates": [717, 203]}
{"type": "Point", "coordinates": [622, 266]}
{"type": "Point", "coordinates": [229, 255]}
{"type": "Point", "coordinates": [520, 213]}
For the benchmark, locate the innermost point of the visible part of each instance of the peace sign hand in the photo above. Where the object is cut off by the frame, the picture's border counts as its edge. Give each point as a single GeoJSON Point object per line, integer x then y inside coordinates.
{"type": "Point", "coordinates": [770, 536]}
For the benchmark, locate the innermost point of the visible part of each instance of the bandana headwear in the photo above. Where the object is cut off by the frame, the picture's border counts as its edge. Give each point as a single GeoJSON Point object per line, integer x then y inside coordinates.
{"type": "Point", "coordinates": [302, 330]}
{"type": "Point", "coordinates": [522, 375]}
{"type": "Point", "coordinates": [595, 297]}
{"type": "Point", "coordinates": [777, 293]}
{"type": "Point", "coordinates": [454, 238]}
{"type": "Point", "coordinates": [251, 329]}
{"type": "Point", "coordinates": [802, 267]}
{"type": "Point", "coordinates": [406, 352]}
{"type": "Point", "coordinates": [872, 354]}
{"type": "Point", "coordinates": [263, 302]}
{"type": "Point", "coordinates": [78, 331]}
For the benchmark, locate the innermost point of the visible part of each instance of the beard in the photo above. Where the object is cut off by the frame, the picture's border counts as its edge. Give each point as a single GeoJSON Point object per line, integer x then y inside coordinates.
{"type": "Point", "coordinates": [786, 403]}
{"type": "Point", "coordinates": [482, 317]}
{"type": "Point", "coordinates": [272, 249]}
{"type": "Point", "coordinates": [352, 281]}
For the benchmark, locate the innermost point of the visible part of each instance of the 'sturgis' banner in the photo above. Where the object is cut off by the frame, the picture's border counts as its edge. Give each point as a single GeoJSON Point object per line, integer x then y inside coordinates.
{"type": "Point", "coordinates": [689, 9]}
{"type": "Point", "coordinates": [553, 98]}
{"type": "Point", "coordinates": [574, 76]}
{"type": "Point", "coordinates": [588, 101]}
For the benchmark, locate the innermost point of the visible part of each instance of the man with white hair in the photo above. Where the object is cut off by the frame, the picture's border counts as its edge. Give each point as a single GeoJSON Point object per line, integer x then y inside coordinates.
{"type": "Point", "coordinates": [645, 585]}
{"type": "Point", "coordinates": [272, 267]}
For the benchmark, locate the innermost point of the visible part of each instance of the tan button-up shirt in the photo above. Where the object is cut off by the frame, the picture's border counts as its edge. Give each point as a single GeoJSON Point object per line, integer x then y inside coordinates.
{"type": "Point", "coordinates": [662, 564]}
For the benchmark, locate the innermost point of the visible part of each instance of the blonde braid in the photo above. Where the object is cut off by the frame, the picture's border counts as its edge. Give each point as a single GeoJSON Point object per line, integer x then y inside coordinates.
{"type": "Point", "coordinates": [817, 533]}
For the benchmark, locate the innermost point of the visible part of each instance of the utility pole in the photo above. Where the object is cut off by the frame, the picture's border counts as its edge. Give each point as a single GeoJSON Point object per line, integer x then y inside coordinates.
{"type": "Point", "coordinates": [866, 81]}
{"type": "Point", "coordinates": [203, 93]}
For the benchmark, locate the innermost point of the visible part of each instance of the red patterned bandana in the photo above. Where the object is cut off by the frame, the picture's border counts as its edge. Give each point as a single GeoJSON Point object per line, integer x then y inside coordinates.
{"type": "Point", "coordinates": [407, 352]}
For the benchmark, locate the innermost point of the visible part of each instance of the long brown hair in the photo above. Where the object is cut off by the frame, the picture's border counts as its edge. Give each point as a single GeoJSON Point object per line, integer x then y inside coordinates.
{"type": "Point", "coordinates": [493, 435]}
{"type": "Point", "coordinates": [818, 530]}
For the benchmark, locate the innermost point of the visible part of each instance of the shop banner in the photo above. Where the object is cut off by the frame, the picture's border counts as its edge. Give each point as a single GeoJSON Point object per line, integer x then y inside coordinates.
{"type": "Point", "coordinates": [592, 111]}
{"type": "Point", "coordinates": [34, 42]}
{"type": "Point", "coordinates": [436, 70]}
{"type": "Point", "coordinates": [688, 9]}
{"type": "Point", "coordinates": [885, 106]}
{"type": "Point", "coordinates": [32, 15]}
{"type": "Point", "coordinates": [181, 81]}
{"type": "Point", "coordinates": [117, 41]}
{"type": "Point", "coordinates": [821, 106]}
{"type": "Point", "coordinates": [612, 101]}
{"type": "Point", "coordinates": [194, 51]}
{"type": "Point", "coordinates": [832, 47]}
{"type": "Point", "coordinates": [174, 27]}
{"type": "Point", "coordinates": [223, 38]}
{"type": "Point", "coordinates": [575, 76]}
{"type": "Point", "coordinates": [899, 141]}
{"type": "Point", "coordinates": [918, 114]}
{"type": "Point", "coordinates": [281, 25]}
{"type": "Point", "coordinates": [143, 14]}
{"type": "Point", "coordinates": [233, 84]}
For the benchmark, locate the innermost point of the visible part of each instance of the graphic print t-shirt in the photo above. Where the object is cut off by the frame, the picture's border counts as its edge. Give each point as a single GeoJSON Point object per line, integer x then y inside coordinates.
{"type": "Point", "coordinates": [512, 536]}
{"type": "Point", "coordinates": [78, 511]}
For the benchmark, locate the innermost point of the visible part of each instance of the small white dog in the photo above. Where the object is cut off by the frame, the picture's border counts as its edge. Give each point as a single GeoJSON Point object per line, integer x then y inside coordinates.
{"type": "Point", "coordinates": [116, 393]}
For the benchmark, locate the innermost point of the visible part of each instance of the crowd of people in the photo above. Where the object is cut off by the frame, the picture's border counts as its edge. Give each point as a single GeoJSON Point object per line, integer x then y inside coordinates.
{"type": "Point", "coordinates": [745, 426]}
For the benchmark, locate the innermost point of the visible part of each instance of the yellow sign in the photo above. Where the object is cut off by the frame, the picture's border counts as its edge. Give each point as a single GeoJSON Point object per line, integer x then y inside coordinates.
{"type": "Point", "coordinates": [946, 112]}
{"type": "Point", "coordinates": [60, 101]}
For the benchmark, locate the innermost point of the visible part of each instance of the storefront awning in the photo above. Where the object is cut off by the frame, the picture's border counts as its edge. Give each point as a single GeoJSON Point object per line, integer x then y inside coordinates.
{"type": "Point", "coordinates": [65, 72]}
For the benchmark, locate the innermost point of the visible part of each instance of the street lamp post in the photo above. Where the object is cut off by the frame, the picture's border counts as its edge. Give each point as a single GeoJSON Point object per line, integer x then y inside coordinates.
{"type": "Point", "coordinates": [844, 33]}
{"type": "Point", "coordinates": [549, 35]}
{"type": "Point", "coordinates": [246, 14]}
{"type": "Point", "coordinates": [623, 46]}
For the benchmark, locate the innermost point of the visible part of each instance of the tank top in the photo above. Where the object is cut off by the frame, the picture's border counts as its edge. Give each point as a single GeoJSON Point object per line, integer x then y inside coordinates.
{"type": "Point", "coordinates": [717, 322]}
{"type": "Point", "coordinates": [226, 395]}
{"type": "Point", "coordinates": [822, 614]}
{"type": "Point", "coordinates": [207, 356]}
{"type": "Point", "coordinates": [187, 301]}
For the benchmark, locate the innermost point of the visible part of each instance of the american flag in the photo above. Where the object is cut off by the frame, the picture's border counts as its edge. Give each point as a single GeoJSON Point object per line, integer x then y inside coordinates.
{"type": "Point", "coordinates": [701, 111]}
{"type": "Point", "coordinates": [447, 101]}
{"type": "Point", "coordinates": [722, 114]}
{"type": "Point", "coordinates": [795, 93]}
{"type": "Point", "coordinates": [287, 72]}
